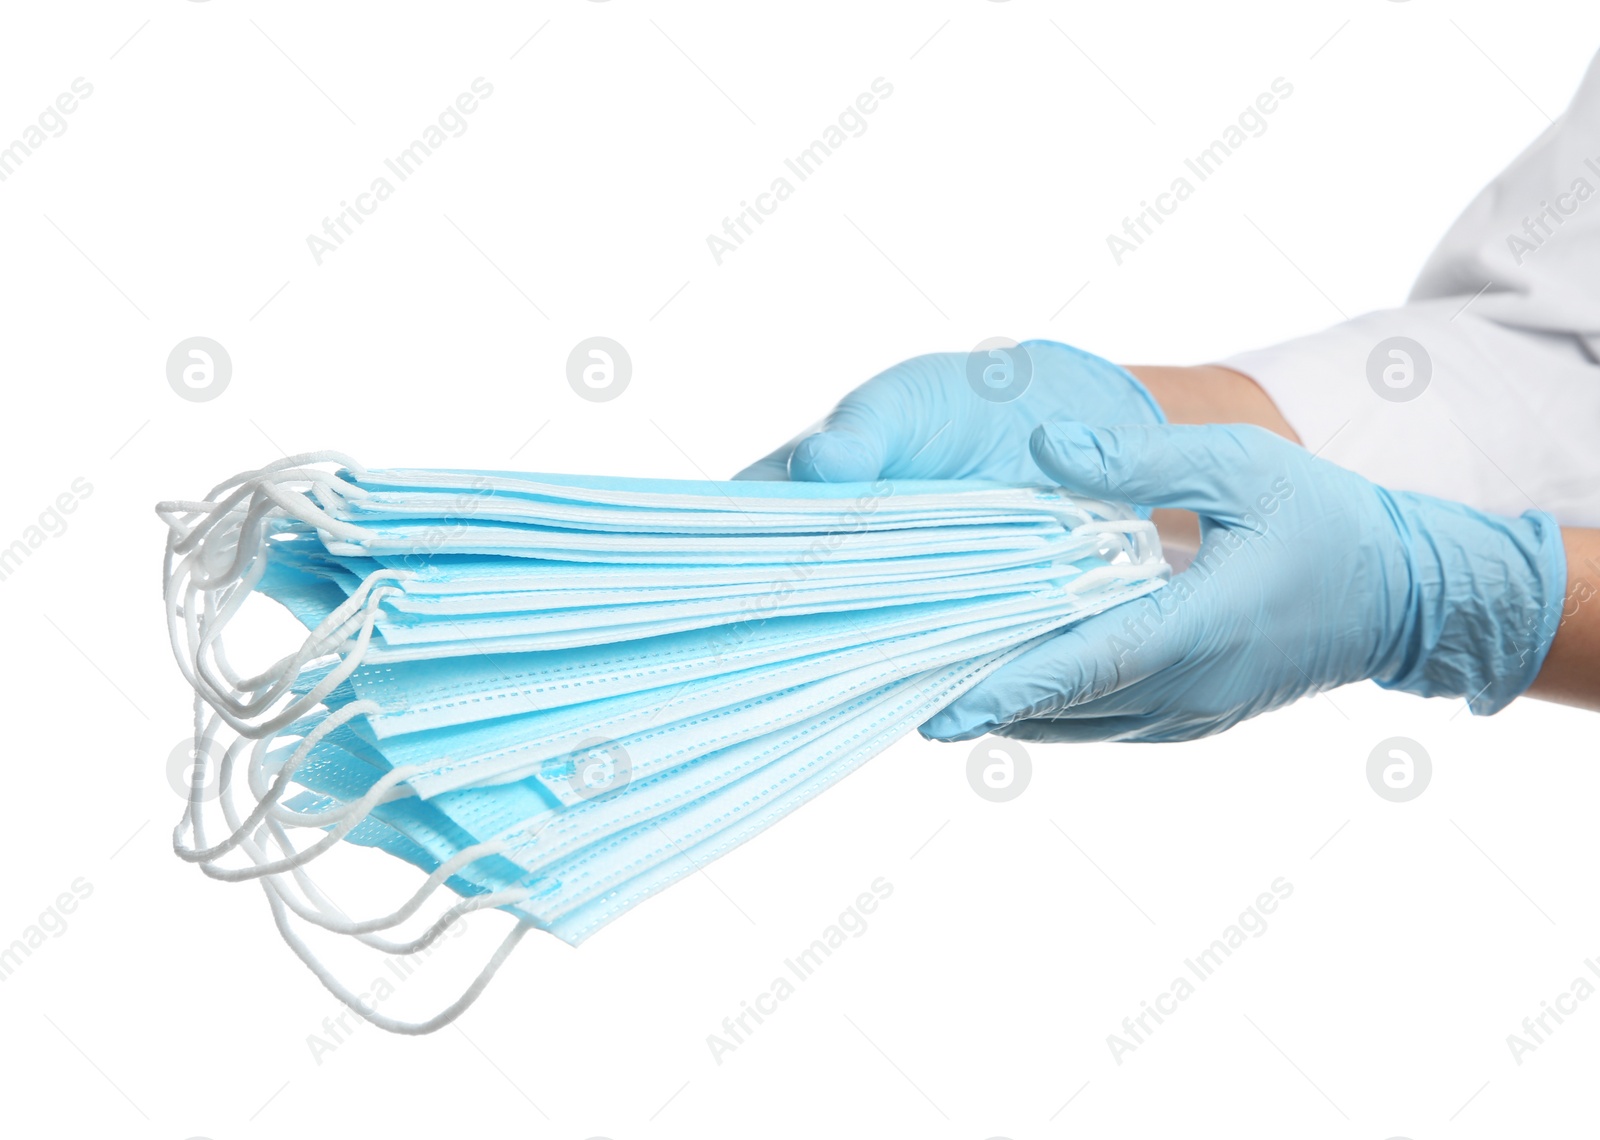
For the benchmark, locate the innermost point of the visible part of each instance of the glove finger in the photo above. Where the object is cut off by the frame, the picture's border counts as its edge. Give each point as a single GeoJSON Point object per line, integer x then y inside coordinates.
{"type": "Point", "coordinates": [1099, 656]}
{"type": "Point", "coordinates": [1154, 728]}
{"type": "Point", "coordinates": [837, 455]}
{"type": "Point", "coordinates": [862, 435]}
{"type": "Point", "coordinates": [774, 466]}
{"type": "Point", "coordinates": [1219, 471]}
{"type": "Point", "coordinates": [770, 468]}
{"type": "Point", "coordinates": [886, 426]}
{"type": "Point", "coordinates": [1078, 730]}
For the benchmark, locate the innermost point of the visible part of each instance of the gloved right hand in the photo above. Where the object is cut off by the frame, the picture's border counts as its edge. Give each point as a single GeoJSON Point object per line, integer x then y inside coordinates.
{"type": "Point", "coordinates": [958, 415]}
{"type": "Point", "coordinates": [1308, 577]}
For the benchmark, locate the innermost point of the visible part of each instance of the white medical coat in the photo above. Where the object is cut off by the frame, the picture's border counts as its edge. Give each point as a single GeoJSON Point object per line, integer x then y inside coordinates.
{"type": "Point", "coordinates": [1507, 311]}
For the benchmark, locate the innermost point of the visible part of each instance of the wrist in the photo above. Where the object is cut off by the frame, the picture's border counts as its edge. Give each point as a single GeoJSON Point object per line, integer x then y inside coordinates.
{"type": "Point", "coordinates": [1476, 612]}
{"type": "Point", "coordinates": [1571, 671]}
{"type": "Point", "coordinates": [1211, 394]}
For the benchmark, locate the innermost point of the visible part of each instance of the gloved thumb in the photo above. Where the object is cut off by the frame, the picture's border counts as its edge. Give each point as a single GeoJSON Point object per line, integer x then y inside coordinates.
{"type": "Point", "coordinates": [1215, 470]}
{"type": "Point", "coordinates": [843, 453]}
{"type": "Point", "coordinates": [884, 426]}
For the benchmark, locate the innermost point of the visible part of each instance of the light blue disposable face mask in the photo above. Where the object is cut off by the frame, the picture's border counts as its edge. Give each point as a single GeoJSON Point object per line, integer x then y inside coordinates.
{"type": "Point", "coordinates": [674, 505]}
{"type": "Point", "coordinates": [475, 585]}
{"type": "Point", "coordinates": [487, 618]}
{"type": "Point", "coordinates": [676, 520]}
{"type": "Point", "coordinates": [672, 725]}
{"type": "Point", "coordinates": [538, 828]}
{"type": "Point", "coordinates": [734, 518]}
{"type": "Point", "coordinates": [583, 867]}
{"type": "Point", "coordinates": [411, 696]}
{"type": "Point", "coordinates": [458, 574]}
{"type": "Point", "coordinates": [561, 730]}
{"type": "Point", "coordinates": [472, 536]}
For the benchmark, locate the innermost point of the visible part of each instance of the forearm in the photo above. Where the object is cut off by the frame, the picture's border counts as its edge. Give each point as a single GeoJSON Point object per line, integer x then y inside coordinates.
{"type": "Point", "coordinates": [1571, 671]}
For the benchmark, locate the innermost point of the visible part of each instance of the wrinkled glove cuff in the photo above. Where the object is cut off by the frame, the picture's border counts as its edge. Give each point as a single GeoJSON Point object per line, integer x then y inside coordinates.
{"type": "Point", "coordinates": [1482, 605]}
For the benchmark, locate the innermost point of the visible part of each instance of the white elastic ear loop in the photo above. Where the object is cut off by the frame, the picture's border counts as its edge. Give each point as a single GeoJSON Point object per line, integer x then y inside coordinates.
{"type": "Point", "coordinates": [205, 729]}
{"type": "Point", "coordinates": [454, 1010]}
{"type": "Point", "coordinates": [322, 912]}
{"type": "Point", "coordinates": [204, 630]}
{"type": "Point", "coordinates": [257, 777]}
{"type": "Point", "coordinates": [1115, 528]}
{"type": "Point", "coordinates": [263, 768]}
{"type": "Point", "coordinates": [1071, 511]}
{"type": "Point", "coordinates": [1144, 553]}
{"type": "Point", "coordinates": [226, 544]}
{"type": "Point", "coordinates": [193, 818]}
{"type": "Point", "coordinates": [1137, 538]}
{"type": "Point", "coordinates": [352, 659]}
{"type": "Point", "coordinates": [230, 531]}
{"type": "Point", "coordinates": [1097, 510]}
{"type": "Point", "coordinates": [206, 856]}
{"type": "Point", "coordinates": [199, 612]}
{"type": "Point", "coordinates": [334, 631]}
{"type": "Point", "coordinates": [304, 459]}
{"type": "Point", "coordinates": [347, 815]}
{"type": "Point", "coordinates": [1116, 572]}
{"type": "Point", "coordinates": [238, 682]}
{"type": "Point", "coordinates": [295, 469]}
{"type": "Point", "coordinates": [357, 811]}
{"type": "Point", "coordinates": [1142, 533]}
{"type": "Point", "coordinates": [357, 614]}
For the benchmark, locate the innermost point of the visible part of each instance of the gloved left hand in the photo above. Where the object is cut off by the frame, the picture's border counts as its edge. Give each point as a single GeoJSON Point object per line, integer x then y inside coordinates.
{"type": "Point", "coordinates": [960, 415]}
{"type": "Point", "coordinates": [1308, 576]}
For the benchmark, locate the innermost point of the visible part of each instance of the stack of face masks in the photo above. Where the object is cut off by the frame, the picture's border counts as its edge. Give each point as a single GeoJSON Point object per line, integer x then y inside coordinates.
{"type": "Point", "coordinates": [556, 695]}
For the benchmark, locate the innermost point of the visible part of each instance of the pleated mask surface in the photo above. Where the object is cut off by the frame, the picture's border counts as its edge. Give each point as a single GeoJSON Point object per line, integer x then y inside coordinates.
{"type": "Point", "coordinates": [555, 695]}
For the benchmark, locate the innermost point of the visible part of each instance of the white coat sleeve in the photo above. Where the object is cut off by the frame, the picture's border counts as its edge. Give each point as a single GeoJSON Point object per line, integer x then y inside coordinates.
{"type": "Point", "coordinates": [1489, 398]}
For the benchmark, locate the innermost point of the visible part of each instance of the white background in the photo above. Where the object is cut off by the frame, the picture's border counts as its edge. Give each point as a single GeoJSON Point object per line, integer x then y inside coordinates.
{"type": "Point", "coordinates": [577, 203]}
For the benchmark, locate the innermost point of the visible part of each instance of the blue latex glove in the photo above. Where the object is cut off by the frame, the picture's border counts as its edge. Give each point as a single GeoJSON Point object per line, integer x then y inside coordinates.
{"type": "Point", "coordinates": [925, 419]}
{"type": "Point", "coordinates": [1307, 577]}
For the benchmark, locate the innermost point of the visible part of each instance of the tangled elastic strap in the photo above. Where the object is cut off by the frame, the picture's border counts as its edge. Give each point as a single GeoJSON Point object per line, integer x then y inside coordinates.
{"type": "Point", "coordinates": [215, 557]}
{"type": "Point", "coordinates": [213, 561]}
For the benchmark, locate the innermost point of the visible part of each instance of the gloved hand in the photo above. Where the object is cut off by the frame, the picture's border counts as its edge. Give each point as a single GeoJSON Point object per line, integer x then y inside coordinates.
{"type": "Point", "coordinates": [1308, 577]}
{"type": "Point", "coordinates": [925, 419]}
